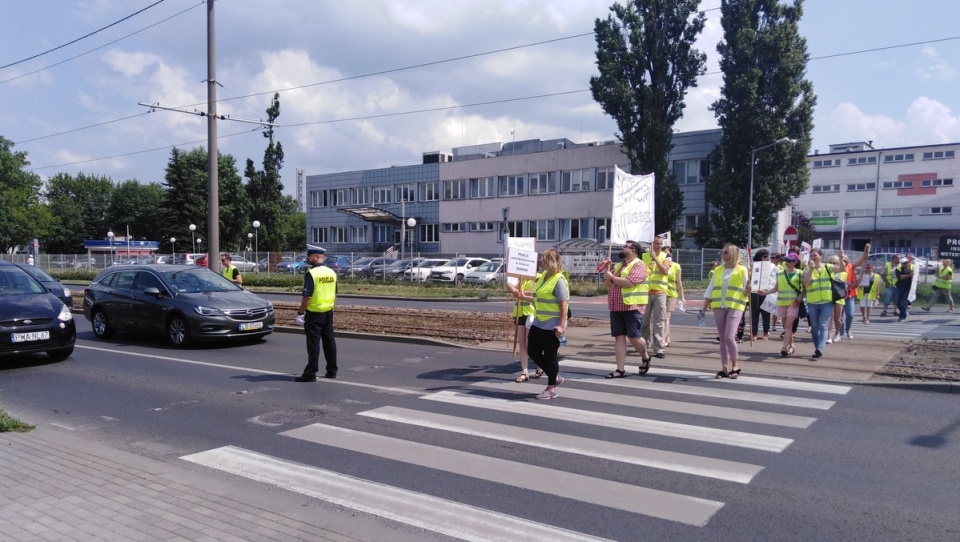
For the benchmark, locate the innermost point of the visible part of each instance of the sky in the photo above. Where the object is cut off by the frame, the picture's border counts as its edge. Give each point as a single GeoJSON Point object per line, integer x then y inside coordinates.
{"type": "Point", "coordinates": [376, 83]}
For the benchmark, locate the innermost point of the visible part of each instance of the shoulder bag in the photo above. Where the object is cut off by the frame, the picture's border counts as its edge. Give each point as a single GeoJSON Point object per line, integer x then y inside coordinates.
{"type": "Point", "coordinates": [837, 287]}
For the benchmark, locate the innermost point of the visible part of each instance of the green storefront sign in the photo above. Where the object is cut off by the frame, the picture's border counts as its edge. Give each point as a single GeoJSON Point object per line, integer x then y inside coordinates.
{"type": "Point", "coordinates": [824, 221]}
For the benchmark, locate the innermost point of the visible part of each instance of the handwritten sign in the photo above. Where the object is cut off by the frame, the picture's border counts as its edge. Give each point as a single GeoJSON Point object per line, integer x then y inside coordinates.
{"type": "Point", "coordinates": [522, 263]}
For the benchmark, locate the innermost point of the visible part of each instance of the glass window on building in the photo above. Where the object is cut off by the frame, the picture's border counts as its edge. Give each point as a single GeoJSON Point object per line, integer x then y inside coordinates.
{"type": "Point", "coordinates": [601, 223]}
{"type": "Point", "coordinates": [382, 194]}
{"type": "Point", "coordinates": [543, 230]}
{"type": "Point", "coordinates": [577, 180]}
{"type": "Point", "coordinates": [430, 191]}
{"type": "Point", "coordinates": [455, 189]}
{"type": "Point", "coordinates": [319, 235]}
{"type": "Point", "coordinates": [572, 228]}
{"type": "Point", "coordinates": [406, 192]}
{"type": "Point", "coordinates": [605, 178]}
{"type": "Point", "coordinates": [429, 233]}
{"type": "Point", "coordinates": [512, 185]}
{"type": "Point", "coordinates": [543, 183]}
{"type": "Point", "coordinates": [484, 187]}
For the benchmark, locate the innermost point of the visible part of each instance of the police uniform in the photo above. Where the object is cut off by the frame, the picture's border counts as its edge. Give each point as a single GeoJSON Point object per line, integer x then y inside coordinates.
{"type": "Point", "coordinates": [320, 289]}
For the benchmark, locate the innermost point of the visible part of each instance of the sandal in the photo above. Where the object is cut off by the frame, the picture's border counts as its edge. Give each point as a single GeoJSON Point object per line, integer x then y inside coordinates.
{"type": "Point", "coordinates": [522, 378]}
{"type": "Point", "coordinates": [619, 373]}
{"type": "Point", "coordinates": [537, 374]}
{"type": "Point", "coordinates": [734, 374]}
{"type": "Point", "coordinates": [723, 374]}
{"type": "Point", "coordinates": [783, 352]}
{"type": "Point", "coordinates": [790, 350]}
{"type": "Point", "coordinates": [644, 365]}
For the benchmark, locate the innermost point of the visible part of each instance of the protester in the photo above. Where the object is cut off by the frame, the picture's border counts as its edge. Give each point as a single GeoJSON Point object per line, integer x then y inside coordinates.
{"type": "Point", "coordinates": [230, 271]}
{"type": "Point", "coordinates": [656, 313]}
{"type": "Point", "coordinates": [849, 307]}
{"type": "Point", "coordinates": [904, 275]}
{"type": "Point", "coordinates": [727, 295]}
{"type": "Point", "coordinates": [675, 296]}
{"type": "Point", "coordinates": [756, 300]}
{"type": "Point", "coordinates": [833, 329]}
{"type": "Point", "coordinates": [788, 289]}
{"type": "Point", "coordinates": [819, 297]}
{"type": "Point", "coordinates": [522, 310]}
{"type": "Point", "coordinates": [316, 315]}
{"type": "Point", "coordinates": [868, 292]}
{"type": "Point", "coordinates": [627, 303]}
{"type": "Point", "coordinates": [943, 285]}
{"type": "Point", "coordinates": [889, 277]}
{"type": "Point", "coordinates": [550, 296]}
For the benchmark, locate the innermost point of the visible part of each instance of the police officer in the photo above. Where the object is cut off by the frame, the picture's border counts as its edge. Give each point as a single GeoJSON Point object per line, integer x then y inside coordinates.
{"type": "Point", "coordinates": [316, 315]}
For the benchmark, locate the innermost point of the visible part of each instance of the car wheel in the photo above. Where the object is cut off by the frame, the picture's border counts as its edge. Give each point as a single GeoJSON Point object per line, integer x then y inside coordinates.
{"type": "Point", "coordinates": [362, 274]}
{"type": "Point", "coordinates": [178, 332]}
{"type": "Point", "coordinates": [61, 354]}
{"type": "Point", "coordinates": [101, 325]}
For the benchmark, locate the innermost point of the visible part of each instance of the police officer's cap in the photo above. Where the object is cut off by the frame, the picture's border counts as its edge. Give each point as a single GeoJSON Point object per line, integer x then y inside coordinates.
{"type": "Point", "coordinates": [314, 249]}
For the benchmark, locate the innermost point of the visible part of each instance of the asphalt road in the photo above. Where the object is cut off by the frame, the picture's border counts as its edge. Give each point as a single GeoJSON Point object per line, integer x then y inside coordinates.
{"type": "Point", "coordinates": [761, 459]}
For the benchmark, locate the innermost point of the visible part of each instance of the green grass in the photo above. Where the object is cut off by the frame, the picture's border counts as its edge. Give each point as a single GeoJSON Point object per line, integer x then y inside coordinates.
{"type": "Point", "coordinates": [8, 423]}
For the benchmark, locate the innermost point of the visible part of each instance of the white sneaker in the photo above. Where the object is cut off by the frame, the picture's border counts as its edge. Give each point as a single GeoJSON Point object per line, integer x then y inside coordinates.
{"type": "Point", "coordinates": [547, 394]}
{"type": "Point", "coordinates": [849, 337]}
{"type": "Point", "coordinates": [829, 341]}
{"type": "Point", "coordinates": [837, 338]}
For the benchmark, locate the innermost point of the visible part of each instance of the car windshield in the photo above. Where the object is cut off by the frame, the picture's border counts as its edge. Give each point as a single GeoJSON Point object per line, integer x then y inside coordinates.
{"type": "Point", "coordinates": [489, 267]}
{"type": "Point", "coordinates": [16, 281]}
{"type": "Point", "coordinates": [38, 274]}
{"type": "Point", "coordinates": [363, 261]}
{"type": "Point", "coordinates": [458, 262]}
{"type": "Point", "coordinates": [434, 263]}
{"type": "Point", "coordinates": [198, 279]}
{"type": "Point", "coordinates": [399, 263]}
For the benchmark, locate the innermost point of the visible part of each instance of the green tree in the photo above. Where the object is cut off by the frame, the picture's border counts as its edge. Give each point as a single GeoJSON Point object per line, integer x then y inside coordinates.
{"type": "Point", "coordinates": [185, 200]}
{"type": "Point", "coordinates": [647, 62]}
{"type": "Point", "coordinates": [139, 207]}
{"type": "Point", "coordinates": [806, 231]}
{"type": "Point", "coordinates": [81, 204]}
{"type": "Point", "coordinates": [265, 188]}
{"type": "Point", "coordinates": [22, 215]}
{"type": "Point", "coordinates": [764, 97]}
{"type": "Point", "coordinates": [294, 225]}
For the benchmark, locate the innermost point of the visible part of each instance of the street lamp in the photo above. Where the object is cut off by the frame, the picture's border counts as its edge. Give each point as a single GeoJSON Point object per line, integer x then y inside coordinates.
{"type": "Point", "coordinates": [173, 249]}
{"type": "Point", "coordinates": [752, 163]}
{"type": "Point", "coordinates": [504, 235]}
{"type": "Point", "coordinates": [110, 237]}
{"type": "Point", "coordinates": [249, 244]}
{"type": "Point", "coordinates": [193, 228]}
{"type": "Point", "coordinates": [256, 242]}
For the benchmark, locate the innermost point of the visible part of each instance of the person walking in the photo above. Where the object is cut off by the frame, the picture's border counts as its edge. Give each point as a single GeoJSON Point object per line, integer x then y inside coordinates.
{"type": "Point", "coordinates": [727, 295]}
{"type": "Point", "coordinates": [675, 296]}
{"type": "Point", "coordinates": [550, 296]}
{"type": "Point", "coordinates": [522, 310]}
{"type": "Point", "coordinates": [904, 281]}
{"type": "Point", "coordinates": [757, 314]}
{"type": "Point", "coordinates": [819, 294]}
{"type": "Point", "coordinates": [230, 271]}
{"type": "Point", "coordinates": [627, 303]}
{"type": "Point", "coordinates": [835, 325]}
{"type": "Point", "coordinates": [788, 289]}
{"type": "Point", "coordinates": [889, 277]}
{"type": "Point", "coordinates": [868, 292]}
{"type": "Point", "coordinates": [943, 285]}
{"type": "Point", "coordinates": [316, 315]}
{"type": "Point", "coordinates": [849, 307]}
{"type": "Point", "coordinates": [656, 314]}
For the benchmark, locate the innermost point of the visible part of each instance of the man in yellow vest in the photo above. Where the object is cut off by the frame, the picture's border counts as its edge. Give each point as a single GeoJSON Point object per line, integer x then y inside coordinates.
{"type": "Point", "coordinates": [626, 302]}
{"type": "Point", "coordinates": [889, 278]}
{"type": "Point", "coordinates": [654, 321]}
{"type": "Point", "coordinates": [943, 284]}
{"type": "Point", "coordinates": [316, 315]}
{"type": "Point", "coordinates": [230, 271]}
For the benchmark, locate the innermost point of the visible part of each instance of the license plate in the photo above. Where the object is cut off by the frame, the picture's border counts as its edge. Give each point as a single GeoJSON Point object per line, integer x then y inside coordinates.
{"type": "Point", "coordinates": [27, 337]}
{"type": "Point", "coordinates": [251, 325]}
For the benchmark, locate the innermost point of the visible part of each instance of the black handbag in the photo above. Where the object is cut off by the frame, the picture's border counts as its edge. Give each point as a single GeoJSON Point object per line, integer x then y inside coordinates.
{"type": "Point", "coordinates": [837, 287]}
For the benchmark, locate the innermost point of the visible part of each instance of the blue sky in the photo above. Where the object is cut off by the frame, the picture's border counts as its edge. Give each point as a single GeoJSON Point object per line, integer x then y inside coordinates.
{"type": "Point", "coordinates": [70, 114]}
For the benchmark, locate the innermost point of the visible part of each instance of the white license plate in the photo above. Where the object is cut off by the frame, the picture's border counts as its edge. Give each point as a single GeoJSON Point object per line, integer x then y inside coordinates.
{"type": "Point", "coordinates": [27, 337]}
{"type": "Point", "coordinates": [251, 325]}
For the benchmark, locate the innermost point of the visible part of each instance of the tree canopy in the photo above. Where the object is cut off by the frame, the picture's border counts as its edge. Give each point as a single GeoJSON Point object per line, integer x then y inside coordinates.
{"type": "Point", "coordinates": [80, 203]}
{"type": "Point", "coordinates": [647, 63]}
{"type": "Point", "coordinates": [265, 188]}
{"type": "Point", "coordinates": [765, 97]}
{"type": "Point", "coordinates": [22, 215]}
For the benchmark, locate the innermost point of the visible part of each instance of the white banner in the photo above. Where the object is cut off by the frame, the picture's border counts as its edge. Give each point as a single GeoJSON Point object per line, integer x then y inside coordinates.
{"type": "Point", "coordinates": [633, 208]}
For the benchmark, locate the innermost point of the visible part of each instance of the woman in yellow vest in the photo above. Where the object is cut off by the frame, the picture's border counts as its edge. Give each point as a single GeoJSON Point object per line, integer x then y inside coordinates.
{"type": "Point", "coordinates": [727, 295]}
{"type": "Point", "coordinates": [869, 292]}
{"type": "Point", "coordinates": [943, 284]}
{"type": "Point", "coordinates": [675, 295]}
{"type": "Point", "coordinates": [550, 296]}
{"type": "Point", "coordinates": [788, 288]}
{"type": "Point", "coordinates": [522, 310]}
{"type": "Point", "coordinates": [835, 265]}
{"type": "Point", "coordinates": [816, 281]}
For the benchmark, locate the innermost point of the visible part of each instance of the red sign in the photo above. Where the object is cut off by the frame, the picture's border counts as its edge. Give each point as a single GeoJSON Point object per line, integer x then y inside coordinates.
{"type": "Point", "coordinates": [790, 235]}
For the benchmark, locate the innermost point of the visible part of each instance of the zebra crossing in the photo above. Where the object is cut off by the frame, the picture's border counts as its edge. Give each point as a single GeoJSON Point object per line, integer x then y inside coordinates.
{"type": "Point", "coordinates": [760, 407]}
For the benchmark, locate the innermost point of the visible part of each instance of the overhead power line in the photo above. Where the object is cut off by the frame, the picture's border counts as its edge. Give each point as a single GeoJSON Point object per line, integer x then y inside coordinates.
{"type": "Point", "coordinates": [81, 37]}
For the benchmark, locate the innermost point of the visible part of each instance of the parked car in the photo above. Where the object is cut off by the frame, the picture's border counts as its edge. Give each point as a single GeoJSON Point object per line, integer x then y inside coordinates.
{"type": "Point", "coordinates": [189, 258]}
{"type": "Point", "coordinates": [487, 273]}
{"type": "Point", "coordinates": [296, 265]}
{"type": "Point", "coordinates": [31, 318]}
{"type": "Point", "coordinates": [395, 269]}
{"type": "Point", "coordinates": [185, 304]}
{"type": "Point", "coordinates": [335, 262]}
{"type": "Point", "coordinates": [878, 259]}
{"type": "Point", "coordinates": [52, 285]}
{"type": "Point", "coordinates": [243, 264]}
{"type": "Point", "coordinates": [362, 268]}
{"type": "Point", "coordinates": [455, 270]}
{"type": "Point", "coordinates": [421, 271]}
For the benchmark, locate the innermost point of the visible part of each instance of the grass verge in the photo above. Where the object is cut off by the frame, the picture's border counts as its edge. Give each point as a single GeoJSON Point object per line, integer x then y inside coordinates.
{"type": "Point", "coordinates": [9, 423]}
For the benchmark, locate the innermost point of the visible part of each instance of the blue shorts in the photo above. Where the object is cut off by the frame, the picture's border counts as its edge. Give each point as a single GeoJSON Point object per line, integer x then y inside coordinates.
{"type": "Point", "coordinates": [627, 323]}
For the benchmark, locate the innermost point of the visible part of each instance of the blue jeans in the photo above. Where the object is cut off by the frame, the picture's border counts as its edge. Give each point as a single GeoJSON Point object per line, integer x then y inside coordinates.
{"type": "Point", "coordinates": [846, 319]}
{"type": "Point", "coordinates": [889, 295]}
{"type": "Point", "coordinates": [820, 315]}
{"type": "Point", "coordinates": [902, 302]}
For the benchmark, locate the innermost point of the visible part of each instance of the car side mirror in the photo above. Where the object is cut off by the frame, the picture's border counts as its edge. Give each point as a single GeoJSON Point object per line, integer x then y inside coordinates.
{"type": "Point", "coordinates": [152, 291]}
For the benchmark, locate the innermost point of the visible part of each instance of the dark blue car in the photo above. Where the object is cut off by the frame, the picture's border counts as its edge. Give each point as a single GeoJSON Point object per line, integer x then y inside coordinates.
{"type": "Point", "coordinates": [31, 318]}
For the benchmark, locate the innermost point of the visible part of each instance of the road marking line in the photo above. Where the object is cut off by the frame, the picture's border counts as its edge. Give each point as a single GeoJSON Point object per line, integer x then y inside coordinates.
{"type": "Point", "coordinates": [635, 455]}
{"type": "Point", "coordinates": [615, 421]}
{"type": "Point", "coordinates": [639, 500]}
{"type": "Point", "coordinates": [712, 411]}
{"type": "Point", "coordinates": [450, 518]}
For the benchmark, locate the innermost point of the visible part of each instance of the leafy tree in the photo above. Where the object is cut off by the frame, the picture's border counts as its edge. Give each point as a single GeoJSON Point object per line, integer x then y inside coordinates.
{"type": "Point", "coordinates": [806, 231]}
{"type": "Point", "coordinates": [265, 188]}
{"type": "Point", "coordinates": [22, 215]}
{"type": "Point", "coordinates": [647, 62]}
{"type": "Point", "coordinates": [81, 204]}
{"type": "Point", "coordinates": [294, 226]}
{"type": "Point", "coordinates": [139, 207]}
{"type": "Point", "coordinates": [764, 97]}
{"type": "Point", "coordinates": [185, 200]}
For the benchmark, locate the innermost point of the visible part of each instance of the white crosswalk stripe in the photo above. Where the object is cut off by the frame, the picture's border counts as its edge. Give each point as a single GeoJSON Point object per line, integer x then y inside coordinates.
{"type": "Point", "coordinates": [587, 401]}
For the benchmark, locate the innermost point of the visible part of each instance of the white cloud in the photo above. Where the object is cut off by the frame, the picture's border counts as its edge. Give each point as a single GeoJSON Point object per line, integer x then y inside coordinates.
{"type": "Point", "coordinates": [931, 122]}
{"type": "Point", "coordinates": [924, 122]}
{"type": "Point", "coordinates": [932, 66]}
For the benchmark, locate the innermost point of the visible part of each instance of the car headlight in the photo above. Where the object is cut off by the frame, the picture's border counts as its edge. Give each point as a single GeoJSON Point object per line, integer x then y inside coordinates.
{"type": "Point", "coordinates": [66, 291]}
{"type": "Point", "coordinates": [65, 314]}
{"type": "Point", "coordinates": [207, 311]}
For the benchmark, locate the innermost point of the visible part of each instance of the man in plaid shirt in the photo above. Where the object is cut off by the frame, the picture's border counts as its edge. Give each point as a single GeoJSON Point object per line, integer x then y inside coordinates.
{"type": "Point", "coordinates": [627, 304]}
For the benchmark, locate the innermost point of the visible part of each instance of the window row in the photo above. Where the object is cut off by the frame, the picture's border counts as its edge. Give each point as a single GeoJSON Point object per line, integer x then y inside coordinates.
{"type": "Point", "coordinates": [887, 185]}
{"type": "Point", "coordinates": [425, 233]}
{"type": "Point", "coordinates": [889, 212]}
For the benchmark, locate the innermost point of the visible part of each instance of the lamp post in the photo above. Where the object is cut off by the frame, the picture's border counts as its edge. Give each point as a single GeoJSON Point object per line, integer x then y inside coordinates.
{"type": "Point", "coordinates": [110, 237]}
{"type": "Point", "coordinates": [173, 249]}
{"type": "Point", "coordinates": [256, 242]}
{"type": "Point", "coordinates": [249, 244]}
{"type": "Point", "coordinates": [753, 160]}
{"type": "Point", "coordinates": [193, 228]}
{"type": "Point", "coordinates": [504, 235]}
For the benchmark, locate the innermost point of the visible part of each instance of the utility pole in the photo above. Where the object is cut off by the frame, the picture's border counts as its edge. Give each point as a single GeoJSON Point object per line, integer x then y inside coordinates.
{"type": "Point", "coordinates": [213, 182]}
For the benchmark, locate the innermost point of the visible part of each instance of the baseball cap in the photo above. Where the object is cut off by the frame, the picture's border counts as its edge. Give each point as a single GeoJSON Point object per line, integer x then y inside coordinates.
{"type": "Point", "coordinates": [792, 257]}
